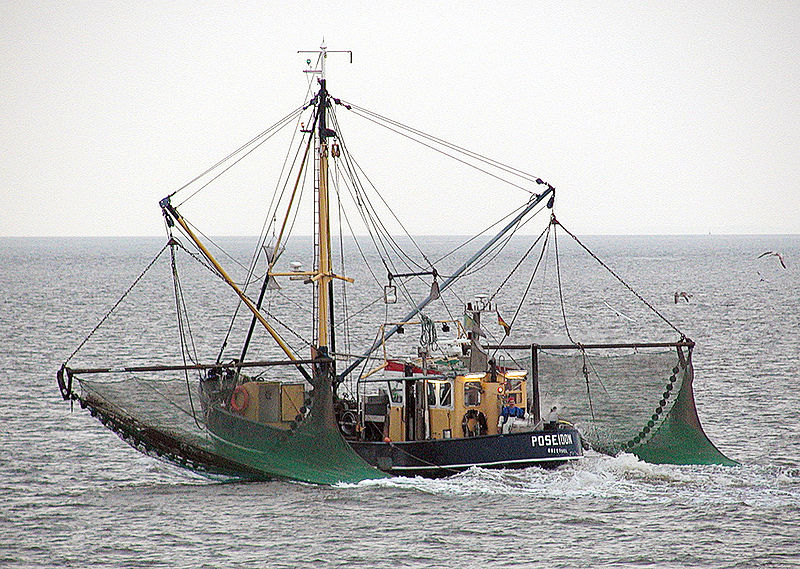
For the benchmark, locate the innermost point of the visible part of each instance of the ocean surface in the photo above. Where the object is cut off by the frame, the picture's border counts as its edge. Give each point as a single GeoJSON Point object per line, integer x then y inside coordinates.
{"type": "Point", "coordinates": [72, 494]}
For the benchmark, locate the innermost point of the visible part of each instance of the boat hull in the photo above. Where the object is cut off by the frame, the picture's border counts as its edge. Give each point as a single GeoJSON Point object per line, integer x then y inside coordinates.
{"type": "Point", "coordinates": [444, 457]}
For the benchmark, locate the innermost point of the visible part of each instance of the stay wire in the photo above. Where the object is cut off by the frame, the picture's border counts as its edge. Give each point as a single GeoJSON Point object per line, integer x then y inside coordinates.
{"type": "Point", "coordinates": [262, 239]}
{"type": "Point", "coordinates": [492, 253]}
{"type": "Point", "coordinates": [277, 127]}
{"type": "Point", "coordinates": [490, 161]}
{"type": "Point", "coordinates": [474, 237]}
{"type": "Point", "coordinates": [277, 196]}
{"type": "Point", "coordinates": [584, 369]}
{"type": "Point", "coordinates": [117, 303]}
{"type": "Point", "coordinates": [372, 230]}
{"type": "Point", "coordinates": [388, 207]}
{"type": "Point", "coordinates": [358, 244]}
{"type": "Point", "coordinates": [560, 288]}
{"type": "Point", "coordinates": [626, 285]}
{"type": "Point", "coordinates": [180, 308]}
{"type": "Point", "coordinates": [370, 215]}
{"type": "Point", "coordinates": [440, 151]}
{"type": "Point", "coordinates": [530, 281]}
{"type": "Point", "coordinates": [519, 263]}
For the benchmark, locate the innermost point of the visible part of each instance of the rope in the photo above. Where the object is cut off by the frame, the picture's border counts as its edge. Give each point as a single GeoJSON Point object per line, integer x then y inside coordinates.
{"type": "Point", "coordinates": [116, 304]}
{"type": "Point", "coordinates": [522, 259]}
{"type": "Point", "coordinates": [528, 288]}
{"type": "Point", "coordinates": [363, 114]}
{"type": "Point", "coordinates": [626, 285]}
{"type": "Point", "coordinates": [391, 211]}
{"type": "Point", "coordinates": [477, 156]}
{"type": "Point", "coordinates": [277, 127]}
{"type": "Point", "coordinates": [553, 222]}
{"type": "Point", "coordinates": [180, 310]}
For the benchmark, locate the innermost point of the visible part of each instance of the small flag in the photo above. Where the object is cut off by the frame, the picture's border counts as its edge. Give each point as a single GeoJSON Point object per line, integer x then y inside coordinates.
{"type": "Point", "coordinates": [506, 326]}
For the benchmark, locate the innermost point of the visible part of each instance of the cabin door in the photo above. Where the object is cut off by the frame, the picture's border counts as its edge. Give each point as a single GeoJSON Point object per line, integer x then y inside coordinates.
{"type": "Point", "coordinates": [415, 410]}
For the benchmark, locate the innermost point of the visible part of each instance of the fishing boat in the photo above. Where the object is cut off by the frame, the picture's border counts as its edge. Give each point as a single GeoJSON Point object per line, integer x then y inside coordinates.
{"type": "Point", "coordinates": [344, 413]}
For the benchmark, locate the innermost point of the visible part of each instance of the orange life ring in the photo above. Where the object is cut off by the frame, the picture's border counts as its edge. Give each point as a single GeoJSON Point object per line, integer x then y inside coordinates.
{"type": "Point", "coordinates": [235, 405]}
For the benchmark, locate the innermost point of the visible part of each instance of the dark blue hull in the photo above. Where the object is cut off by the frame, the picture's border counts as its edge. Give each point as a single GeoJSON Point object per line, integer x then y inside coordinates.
{"type": "Point", "coordinates": [443, 457]}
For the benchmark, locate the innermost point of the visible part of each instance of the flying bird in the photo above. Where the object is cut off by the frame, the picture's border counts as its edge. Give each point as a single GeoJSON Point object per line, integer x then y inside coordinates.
{"type": "Point", "coordinates": [780, 257]}
{"type": "Point", "coordinates": [684, 295]}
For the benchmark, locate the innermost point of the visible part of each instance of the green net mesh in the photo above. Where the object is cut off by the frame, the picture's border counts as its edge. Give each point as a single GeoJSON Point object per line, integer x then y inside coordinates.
{"type": "Point", "coordinates": [638, 401]}
{"type": "Point", "coordinates": [163, 417]}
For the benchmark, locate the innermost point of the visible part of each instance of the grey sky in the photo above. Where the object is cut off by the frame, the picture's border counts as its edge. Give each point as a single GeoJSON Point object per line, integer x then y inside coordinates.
{"type": "Point", "coordinates": [670, 118]}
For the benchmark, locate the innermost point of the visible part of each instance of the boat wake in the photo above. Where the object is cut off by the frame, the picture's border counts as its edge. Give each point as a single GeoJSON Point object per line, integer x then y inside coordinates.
{"type": "Point", "coordinates": [623, 478]}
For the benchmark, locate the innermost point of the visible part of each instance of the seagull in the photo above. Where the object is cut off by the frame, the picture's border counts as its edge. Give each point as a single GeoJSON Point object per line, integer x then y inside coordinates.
{"type": "Point", "coordinates": [780, 257]}
{"type": "Point", "coordinates": [684, 295]}
{"type": "Point", "coordinates": [618, 313]}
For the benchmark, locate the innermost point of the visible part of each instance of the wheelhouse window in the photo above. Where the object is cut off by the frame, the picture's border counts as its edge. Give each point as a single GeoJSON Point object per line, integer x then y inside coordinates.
{"type": "Point", "coordinates": [396, 392]}
{"type": "Point", "coordinates": [445, 394]}
{"type": "Point", "coordinates": [472, 393]}
{"type": "Point", "coordinates": [440, 394]}
{"type": "Point", "coordinates": [431, 394]}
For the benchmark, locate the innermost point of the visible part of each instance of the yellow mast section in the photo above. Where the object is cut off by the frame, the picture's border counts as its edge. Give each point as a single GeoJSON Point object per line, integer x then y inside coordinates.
{"type": "Point", "coordinates": [249, 303]}
{"type": "Point", "coordinates": [325, 275]}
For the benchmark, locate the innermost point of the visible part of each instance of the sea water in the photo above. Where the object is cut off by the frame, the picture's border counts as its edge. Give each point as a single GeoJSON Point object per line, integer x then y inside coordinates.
{"type": "Point", "coordinates": [72, 494]}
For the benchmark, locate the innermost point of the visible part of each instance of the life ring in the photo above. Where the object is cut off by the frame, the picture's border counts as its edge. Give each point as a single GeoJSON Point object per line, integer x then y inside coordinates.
{"type": "Point", "coordinates": [245, 400]}
{"type": "Point", "coordinates": [348, 423]}
{"type": "Point", "coordinates": [474, 423]}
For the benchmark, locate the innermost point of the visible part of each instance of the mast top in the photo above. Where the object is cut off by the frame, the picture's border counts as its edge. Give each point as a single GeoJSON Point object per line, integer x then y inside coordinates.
{"type": "Point", "coordinates": [322, 52]}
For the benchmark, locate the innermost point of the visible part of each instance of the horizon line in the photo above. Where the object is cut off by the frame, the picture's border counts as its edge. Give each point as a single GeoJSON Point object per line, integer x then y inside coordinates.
{"type": "Point", "coordinates": [693, 234]}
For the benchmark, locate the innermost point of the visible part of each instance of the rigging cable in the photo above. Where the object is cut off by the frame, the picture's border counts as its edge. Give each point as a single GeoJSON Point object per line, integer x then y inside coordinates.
{"type": "Point", "coordinates": [472, 154]}
{"type": "Point", "coordinates": [474, 237]}
{"type": "Point", "coordinates": [491, 254]}
{"type": "Point", "coordinates": [465, 162]}
{"type": "Point", "coordinates": [345, 308]}
{"type": "Point", "coordinates": [272, 215]}
{"type": "Point", "coordinates": [384, 236]}
{"type": "Point", "coordinates": [277, 127]}
{"type": "Point", "coordinates": [522, 259]}
{"type": "Point", "coordinates": [626, 285]}
{"type": "Point", "coordinates": [554, 223]}
{"type": "Point", "coordinates": [352, 167]}
{"type": "Point", "coordinates": [180, 311]}
{"type": "Point", "coordinates": [370, 225]}
{"type": "Point", "coordinates": [358, 246]}
{"type": "Point", "coordinates": [300, 181]}
{"type": "Point", "coordinates": [584, 369]}
{"type": "Point", "coordinates": [381, 234]}
{"type": "Point", "coordinates": [116, 304]}
{"type": "Point", "coordinates": [545, 233]}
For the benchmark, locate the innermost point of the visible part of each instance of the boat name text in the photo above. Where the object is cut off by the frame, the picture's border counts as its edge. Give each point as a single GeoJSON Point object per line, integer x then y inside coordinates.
{"type": "Point", "coordinates": [550, 440]}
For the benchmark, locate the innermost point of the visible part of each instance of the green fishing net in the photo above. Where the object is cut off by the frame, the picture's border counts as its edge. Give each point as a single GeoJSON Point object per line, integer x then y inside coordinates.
{"type": "Point", "coordinates": [163, 417]}
{"type": "Point", "coordinates": [633, 400]}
